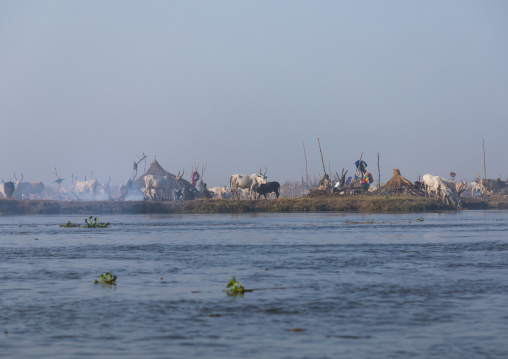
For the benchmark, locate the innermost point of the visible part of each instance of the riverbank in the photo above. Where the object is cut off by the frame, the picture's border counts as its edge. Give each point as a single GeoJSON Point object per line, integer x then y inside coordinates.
{"type": "Point", "coordinates": [325, 203]}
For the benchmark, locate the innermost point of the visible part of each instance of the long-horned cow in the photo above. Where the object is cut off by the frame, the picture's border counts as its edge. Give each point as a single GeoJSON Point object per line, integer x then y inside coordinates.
{"type": "Point", "coordinates": [23, 190]}
{"type": "Point", "coordinates": [492, 186]}
{"type": "Point", "coordinates": [7, 189]}
{"type": "Point", "coordinates": [250, 182]}
{"type": "Point", "coordinates": [166, 185]}
{"type": "Point", "coordinates": [456, 188]}
{"type": "Point", "coordinates": [473, 189]}
{"type": "Point", "coordinates": [87, 188]}
{"type": "Point", "coordinates": [437, 185]}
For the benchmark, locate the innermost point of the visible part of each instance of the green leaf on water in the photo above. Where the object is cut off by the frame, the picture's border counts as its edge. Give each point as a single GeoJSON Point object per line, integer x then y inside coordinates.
{"type": "Point", "coordinates": [106, 278]}
{"type": "Point", "coordinates": [236, 287]}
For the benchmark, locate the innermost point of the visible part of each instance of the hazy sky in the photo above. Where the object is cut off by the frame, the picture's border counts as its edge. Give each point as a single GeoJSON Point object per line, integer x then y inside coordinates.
{"type": "Point", "coordinates": [91, 85]}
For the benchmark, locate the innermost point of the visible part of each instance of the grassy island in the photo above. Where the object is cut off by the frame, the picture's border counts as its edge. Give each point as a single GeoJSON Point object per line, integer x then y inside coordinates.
{"type": "Point", "coordinates": [320, 203]}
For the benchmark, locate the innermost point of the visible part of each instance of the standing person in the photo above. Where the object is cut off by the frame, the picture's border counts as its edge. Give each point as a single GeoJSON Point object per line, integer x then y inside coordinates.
{"type": "Point", "coordinates": [325, 183]}
{"type": "Point", "coordinates": [367, 179]}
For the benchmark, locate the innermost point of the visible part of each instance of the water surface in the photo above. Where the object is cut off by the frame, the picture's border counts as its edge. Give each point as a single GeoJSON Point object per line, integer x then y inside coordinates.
{"type": "Point", "coordinates": [429, 285]}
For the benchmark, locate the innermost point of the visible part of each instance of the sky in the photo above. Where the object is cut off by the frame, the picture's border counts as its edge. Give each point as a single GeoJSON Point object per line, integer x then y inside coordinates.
{"type": "Point", "coordinates": [87, 87]}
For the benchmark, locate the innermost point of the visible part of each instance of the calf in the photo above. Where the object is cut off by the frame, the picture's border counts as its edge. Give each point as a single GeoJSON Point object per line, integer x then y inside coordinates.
{"type": "Point", "coordinates": [268, 187]}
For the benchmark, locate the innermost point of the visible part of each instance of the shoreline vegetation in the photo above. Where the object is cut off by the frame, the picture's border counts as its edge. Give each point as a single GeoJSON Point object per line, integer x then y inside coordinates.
{"type": "Point", "coordinates": [313, 204]}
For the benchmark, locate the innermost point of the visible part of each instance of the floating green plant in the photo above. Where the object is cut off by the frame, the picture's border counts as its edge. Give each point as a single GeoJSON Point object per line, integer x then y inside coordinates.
{"type": "Point", "coordinates": [88, 224]}
{"type": "Point", "coordinates": [363, 221]}
{"type": "Point", "coordinates": [418, 220]}
{"type": "Point", "coordinates": [236, 288]}
{"type": "Point", "coordinates": [106, 278]}
{"type": "Point", "coordinates": [96, 223]}
{"type": "Point", "coordinates": [69, 224]}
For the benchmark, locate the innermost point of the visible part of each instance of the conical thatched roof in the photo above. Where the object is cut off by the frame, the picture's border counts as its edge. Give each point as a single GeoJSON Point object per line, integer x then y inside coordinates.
{"type": "Point", "coordinates": [397, 183]}
{"type": "Point", "coordinates": [156, 169]}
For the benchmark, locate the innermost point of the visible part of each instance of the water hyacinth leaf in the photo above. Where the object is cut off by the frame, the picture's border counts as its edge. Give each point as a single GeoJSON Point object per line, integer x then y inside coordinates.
{"type": "Point", "coordinates": [88, 223]}
{"type": "Point", "coordinates": [236, 287]}
{"type": "Point", "coordinates": [106, 278]}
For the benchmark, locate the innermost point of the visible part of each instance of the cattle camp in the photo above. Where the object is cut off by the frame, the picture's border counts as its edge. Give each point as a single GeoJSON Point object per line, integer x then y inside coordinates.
{"type": "Point", "coordinates": [354, 189]}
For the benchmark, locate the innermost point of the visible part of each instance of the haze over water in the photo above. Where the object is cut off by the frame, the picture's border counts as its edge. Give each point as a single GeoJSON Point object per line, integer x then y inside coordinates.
{"type": "Point", "coordinates": [87, 87]}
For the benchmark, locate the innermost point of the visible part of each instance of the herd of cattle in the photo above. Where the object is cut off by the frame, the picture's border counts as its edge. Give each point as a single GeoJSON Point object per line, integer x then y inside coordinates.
{"type": "Point", "coordinates": [35, 190]}
{"type": "Point", "coordinates": [451, 191]}
{"type": "Point", "coordinates": [20, 189]}
{"type": "Point", "coordinates": [155, 188]}
{"type": "Point", "coordinates": [241, 186]}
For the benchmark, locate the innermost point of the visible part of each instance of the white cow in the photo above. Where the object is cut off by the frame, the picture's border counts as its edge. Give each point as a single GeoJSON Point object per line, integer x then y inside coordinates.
{"type": "Point", "coordinates": [25, 189]}
{"type": "Point", "coordinates": [250, 182]}
{"type": "Point", "coordinates": [437, 185]}
{"type": "Point", "coordinates": [154, 194]}
{"type": "Point", "coordinates": [432, 185]}
{"type": "Point", "coordinates": [456, 189]}
{"type": "Point", "coordinates": [155, 184]}
{"type": "Point", "coordinates": [86, 188]}
{"type": "Point", "coordinates": [166, 185]}
{"type": "Point", "coordinates": [473, 190]}
{"type": "Point", "coordinates": [220, 192]}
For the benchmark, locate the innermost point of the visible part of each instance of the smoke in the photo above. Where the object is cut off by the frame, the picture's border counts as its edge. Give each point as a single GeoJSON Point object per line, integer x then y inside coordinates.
{"type": "Point", "coordinates": [133, 196]}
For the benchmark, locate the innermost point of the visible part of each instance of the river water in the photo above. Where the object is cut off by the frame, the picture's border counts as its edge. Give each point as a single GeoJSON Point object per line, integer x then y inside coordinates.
{"type": "Point", "coordinates": [427, 285]}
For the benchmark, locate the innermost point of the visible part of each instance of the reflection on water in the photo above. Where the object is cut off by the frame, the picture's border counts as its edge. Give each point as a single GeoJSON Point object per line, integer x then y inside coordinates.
{"type": "Point", "coordinates": [353, 285]}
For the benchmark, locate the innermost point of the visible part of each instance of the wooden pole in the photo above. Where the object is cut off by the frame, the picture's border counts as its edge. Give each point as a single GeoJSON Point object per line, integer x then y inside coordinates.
{"type": "Point", "coordinates": [322, 161]}
{"type": "Point", "coordinates": [378, 172]}
{"type": "Point", "coordinates": [306, 169]}
{"type": "Point", "coordinates": [484, 167]}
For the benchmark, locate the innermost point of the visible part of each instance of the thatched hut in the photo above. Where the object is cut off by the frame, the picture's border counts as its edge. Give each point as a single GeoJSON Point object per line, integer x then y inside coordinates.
{"type": "Point", "coordinates": [398, 184]}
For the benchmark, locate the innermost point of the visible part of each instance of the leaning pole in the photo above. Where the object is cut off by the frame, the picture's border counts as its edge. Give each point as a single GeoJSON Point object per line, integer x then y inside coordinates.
{"type": "Point", "coordinates": [322, 161]}
{"type": "Point", "coordinates": [484, 167]}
